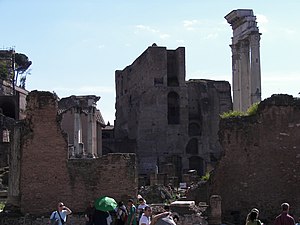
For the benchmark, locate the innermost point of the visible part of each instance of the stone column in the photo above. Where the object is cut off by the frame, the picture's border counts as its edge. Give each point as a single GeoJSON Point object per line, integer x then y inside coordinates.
{"type": "Point", "coordinates": [255, 68]}
{"type": "Point", "coordinates": [245, 76]}
{"type": "Point", "coordinates": [91, 137]}
{"type": "Point", "coordinates": [236, 76]}
{"type": "Point", "coordinates": [77, 132]}
{"type": "Point", "coordinates": [215, 210]}
{"type": "Point", "coordinates": [246, 67]}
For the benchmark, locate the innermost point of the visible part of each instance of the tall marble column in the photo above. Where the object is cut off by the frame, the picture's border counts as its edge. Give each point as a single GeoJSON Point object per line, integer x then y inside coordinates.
{"type": "Point", "coordinates": [255, 68]}
{"type": "Point", "coordinates": [92, 138]}
{"type": "Point", "coordinates": [77, 132]}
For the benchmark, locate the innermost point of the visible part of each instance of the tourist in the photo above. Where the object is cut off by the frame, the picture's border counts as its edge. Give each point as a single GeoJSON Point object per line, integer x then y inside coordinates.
{"type": "Point", "coordinates": [101, 218]}
{"type": "Point", "coordinates": [131, 219]}
{"type": "Point", "coordinates": [89, 213]}
{"type": "Point", "coordinates": [60, 215]}
{"type": "Point", "coordinates": [147, 220]}
{"type": "Point", "coordinates": [252, 218]}
{"type": "Point", "coordinates": [122, 214]}
{"type": "Point", "coordinates": [284, 218]}
{"type": "Point", "coordinates": [141, 206]}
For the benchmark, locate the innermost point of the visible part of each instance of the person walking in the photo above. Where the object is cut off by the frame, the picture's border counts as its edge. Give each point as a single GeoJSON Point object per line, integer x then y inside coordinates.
{"type": "Point", "coordinates": [252, 218]}
{"type": "Point", "coordinates": [122, 214]}
{"type": "Point", "coordinates": [284, 218]}
{"type": "Point", "coordinates": [146, 218]}
{"type": "Point", "coordinates": [141, 207]}
{"type": "Point", "coordinates": [89, 213]}
{"type": "Point", "coordinates": [131, 219]}
{"type": "Point", "coordinates": [60, 215]}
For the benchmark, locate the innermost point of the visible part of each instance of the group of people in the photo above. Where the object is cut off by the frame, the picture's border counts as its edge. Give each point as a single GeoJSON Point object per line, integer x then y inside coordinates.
{"type": "Point", "coordinates": [142, 215]}
{"type": "Point", "coordinates": [126, 214]}
{"type": "Point", "coordinates": [283, 219]}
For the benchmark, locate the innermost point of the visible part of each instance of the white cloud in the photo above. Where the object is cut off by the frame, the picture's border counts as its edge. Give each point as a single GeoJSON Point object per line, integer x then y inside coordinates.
{"type": "Point", "coordinates": [143, 28]}
{"type": "Point", "coordinates": [262, 22]}
{"type": "Point", "coordinates": [262, 19]}
{"type": "Point", "coordinates": [164, 36]}
{"type": "Point", "coordinates": [211, 36]}
{"type": "Point", "coordinates": [180, 41]}
{"type": "Point", "coordinates": [191, 24]}
{"type": "Point", "coordinates": [146, 28]}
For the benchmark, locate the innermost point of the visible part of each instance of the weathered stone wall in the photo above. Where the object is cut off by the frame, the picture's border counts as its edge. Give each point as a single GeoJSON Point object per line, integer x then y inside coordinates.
{"type": "Point", "coordinates": [47, 176]}
{"type": "Point", "coordinates": [261, 162]}
{"type": "Point", "coordinates": [207, 100]}
{"type": "Point", "coordinates": [142, 106]}
{"type": "Point", "coordinates": [152, 90]}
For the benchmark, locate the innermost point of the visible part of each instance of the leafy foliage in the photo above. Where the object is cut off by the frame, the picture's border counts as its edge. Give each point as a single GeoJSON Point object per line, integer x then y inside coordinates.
{"type": "Point", "coordinates": [22, 63]}
{"type": "Point", "coordinates": [3, 71]}
{"type": "Point", "coordinates": [252, 110]}
{"type": "Point", "coordinates": [231, 114]}
{"type": "Point", "coordinates": [206, 176]}
{"type": "Point", "coordinates": [2, 205]}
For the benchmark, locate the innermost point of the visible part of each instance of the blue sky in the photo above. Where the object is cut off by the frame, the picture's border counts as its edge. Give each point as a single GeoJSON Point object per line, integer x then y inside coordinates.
{"type": "Point", "coordinates": [76, 46]}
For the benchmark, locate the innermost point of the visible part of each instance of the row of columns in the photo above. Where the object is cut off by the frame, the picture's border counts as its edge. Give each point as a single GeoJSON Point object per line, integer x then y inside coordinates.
{"type": "Point", "coordinates": [245, 47]}
{"type": "Point", "coordinates": [79, 149]}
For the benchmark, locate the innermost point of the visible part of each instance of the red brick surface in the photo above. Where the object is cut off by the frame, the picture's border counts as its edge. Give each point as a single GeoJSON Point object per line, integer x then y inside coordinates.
{"type": "Point", "coordinates": [261, 163]}
{"type": "Point", "coordinates": [47, 176]}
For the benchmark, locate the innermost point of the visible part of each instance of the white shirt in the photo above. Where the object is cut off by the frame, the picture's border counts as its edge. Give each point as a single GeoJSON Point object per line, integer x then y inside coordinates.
{"type": "Point", "coordinates": [144, 219]}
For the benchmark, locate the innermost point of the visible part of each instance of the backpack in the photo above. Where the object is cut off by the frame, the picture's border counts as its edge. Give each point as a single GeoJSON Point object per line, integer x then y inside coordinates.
{"type": "Point", "coordinates": [124, 215]}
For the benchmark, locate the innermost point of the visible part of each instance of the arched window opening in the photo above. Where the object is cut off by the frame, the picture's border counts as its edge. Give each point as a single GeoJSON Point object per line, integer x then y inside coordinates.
{"type": "Point", "coordinates": [173, 108]}
{"type": "Point", "coordinates": [192, 146]}
{"type": "Point", "coordinates": [194, 129]}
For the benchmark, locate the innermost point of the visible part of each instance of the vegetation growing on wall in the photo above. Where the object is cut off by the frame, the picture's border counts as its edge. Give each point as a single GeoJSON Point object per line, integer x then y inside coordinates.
{"type": "Point", "coordinates": [250, 112]}
{"type": "Point", "coordinates": [3, 70]}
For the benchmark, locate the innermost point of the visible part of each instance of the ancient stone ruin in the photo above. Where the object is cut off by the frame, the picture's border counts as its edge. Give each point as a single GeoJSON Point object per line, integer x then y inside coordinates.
{"type": "Point", "coordinates": [246, 77]}
{"type": "Point", "coordinates": [260, 166]}
{"type": "Point", "coordinates": [166, 120]}
{"type": "Point", "coordinates": [172, 125]}
{"type": "Point", "coordinates": [40, 166]}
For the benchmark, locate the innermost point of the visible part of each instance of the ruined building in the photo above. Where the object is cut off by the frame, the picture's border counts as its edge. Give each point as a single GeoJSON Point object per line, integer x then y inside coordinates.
{"type": "Point", "coordinates": [39, 165]}
{"type": "Point", "coordinates": [166, 120]}
{"type": "Point", "coordinates": [49, 145]}
{"type": "Point", "coordinates": [261, 162]}
{"type": "Point", "coordinates": [83, 123]}
{"type": "Point", "coordinates": [12, 102]}
{"type": "Point", "coordinates": [246, 77]}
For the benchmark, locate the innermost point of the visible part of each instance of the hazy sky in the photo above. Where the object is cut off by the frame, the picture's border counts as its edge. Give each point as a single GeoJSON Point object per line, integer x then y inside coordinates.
{"type": "Point", "coordinates": [76, 46]}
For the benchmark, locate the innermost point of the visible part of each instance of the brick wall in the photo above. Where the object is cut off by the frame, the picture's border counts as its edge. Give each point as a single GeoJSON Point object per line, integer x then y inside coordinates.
{"type": "Point", "coordinates": [261, 163]}
{"type": "Point", "coordinates": [47, 176]}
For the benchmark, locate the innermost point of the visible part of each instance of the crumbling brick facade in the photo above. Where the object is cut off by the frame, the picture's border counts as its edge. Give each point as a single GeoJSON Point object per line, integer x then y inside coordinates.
{"type": "Point", "coordinates": [164, 118]}
{"type": "Point", "coordinates": [260, 166]}
{"type": "Point", "coordinates": [48, 176]}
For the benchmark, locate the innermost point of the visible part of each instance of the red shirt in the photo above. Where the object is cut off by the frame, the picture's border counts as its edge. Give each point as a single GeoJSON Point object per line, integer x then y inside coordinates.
{"type": "Point", "coordinates": [284, 219]}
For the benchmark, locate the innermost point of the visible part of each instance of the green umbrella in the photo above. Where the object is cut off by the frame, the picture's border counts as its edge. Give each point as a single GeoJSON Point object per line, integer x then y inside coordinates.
{"type": "Point", "coordinates": [105, 204]}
